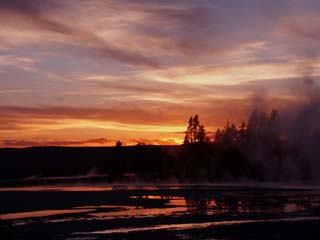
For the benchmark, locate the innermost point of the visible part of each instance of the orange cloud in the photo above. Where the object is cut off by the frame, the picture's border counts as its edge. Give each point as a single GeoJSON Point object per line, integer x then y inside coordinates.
{"type": "Point", "coordinates": [25, 143]}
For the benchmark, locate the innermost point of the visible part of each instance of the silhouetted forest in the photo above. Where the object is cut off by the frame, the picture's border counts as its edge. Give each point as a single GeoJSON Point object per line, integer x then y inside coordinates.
{"type": "Point", "coordinates": [259, 149]}
{"type": "Point", "coordinates": [262, 148]}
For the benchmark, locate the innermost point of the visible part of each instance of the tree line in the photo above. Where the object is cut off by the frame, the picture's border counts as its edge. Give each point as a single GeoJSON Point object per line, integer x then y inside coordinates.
{"type": "Point", "coordinates": [262, 148]}
{"type": "Point", "coordinates": [257, 149]}
{"type": "Point", "coordinates": [260, 127]}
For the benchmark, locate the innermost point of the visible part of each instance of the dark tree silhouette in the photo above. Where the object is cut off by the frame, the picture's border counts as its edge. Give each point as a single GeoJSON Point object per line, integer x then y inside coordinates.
{"type": "Point", "coordinates": [118, 144]}
{"type": "Point", "coordinates": [201, 134]}
{"type": "Point", "coordinates": [195, 132]}
{"type": "Point", "coordinates": [242, 133]}
{"type": "Point", "coordinates": [228, 135]}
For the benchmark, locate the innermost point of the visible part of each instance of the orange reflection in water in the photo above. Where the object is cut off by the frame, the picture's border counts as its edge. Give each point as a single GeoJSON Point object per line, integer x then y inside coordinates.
{"type": "Point", "coordinates": [82, 188]}
{"type": "Point", "coordinates": [57, 188]}
{"type": "Point", "coordinates": [42, 213]}
{"type": "Point", "coordinates": [195, 225]}
{"type": "Point", "coordinates": [139, 212]}
{"type": "Point", "coordinates": [172, 201]}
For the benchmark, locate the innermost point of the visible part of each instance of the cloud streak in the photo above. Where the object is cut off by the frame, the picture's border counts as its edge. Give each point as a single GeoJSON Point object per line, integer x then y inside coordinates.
{"type": "Point", "coordinates": [32, 14]}
{"type": "Point", "coordinates": [24, 143]}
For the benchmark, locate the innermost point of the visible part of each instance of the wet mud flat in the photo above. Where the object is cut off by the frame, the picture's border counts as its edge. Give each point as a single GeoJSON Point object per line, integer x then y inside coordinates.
{"type": "Point", "coordinates": [159, 212]}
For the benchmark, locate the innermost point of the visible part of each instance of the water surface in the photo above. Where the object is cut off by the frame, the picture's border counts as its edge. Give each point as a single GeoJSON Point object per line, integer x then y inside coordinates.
{"type": "Point", "coordinates": [102, 211]}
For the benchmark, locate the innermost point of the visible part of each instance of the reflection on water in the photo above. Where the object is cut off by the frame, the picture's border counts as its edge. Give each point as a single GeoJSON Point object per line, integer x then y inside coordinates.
{"type": "Point", "coordinates": [186, 226]}
{"type": "Point", "coordinates": [234, 204]}
{"type": "Point", "coordinates": [83, 188]}
{"type": "Point", "coordinates": [139, 212]}
{"type": "Point", "coordinates": [43, 213]}
{"type": "Point", "coordinates": [87, 186]}
{"type": "Point", "coordinates": [62, 188]}
{"type": "Point", "coordinates": [124, 209]}
{"type": "Point", "coordinates": [237, 203]}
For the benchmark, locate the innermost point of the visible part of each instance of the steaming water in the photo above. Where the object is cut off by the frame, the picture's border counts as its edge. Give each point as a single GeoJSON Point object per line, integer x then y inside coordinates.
{"type": "Point", "coordinates": [98, 211]}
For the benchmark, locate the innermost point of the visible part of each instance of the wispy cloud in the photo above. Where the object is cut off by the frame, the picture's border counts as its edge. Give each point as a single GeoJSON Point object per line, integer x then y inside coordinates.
{"type": "Point", "coordinates": [34, 14]}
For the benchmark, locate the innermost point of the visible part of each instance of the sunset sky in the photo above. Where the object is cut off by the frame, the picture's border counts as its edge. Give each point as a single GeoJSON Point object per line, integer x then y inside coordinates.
{"type": "Point", "coordinates": [90, 72]}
